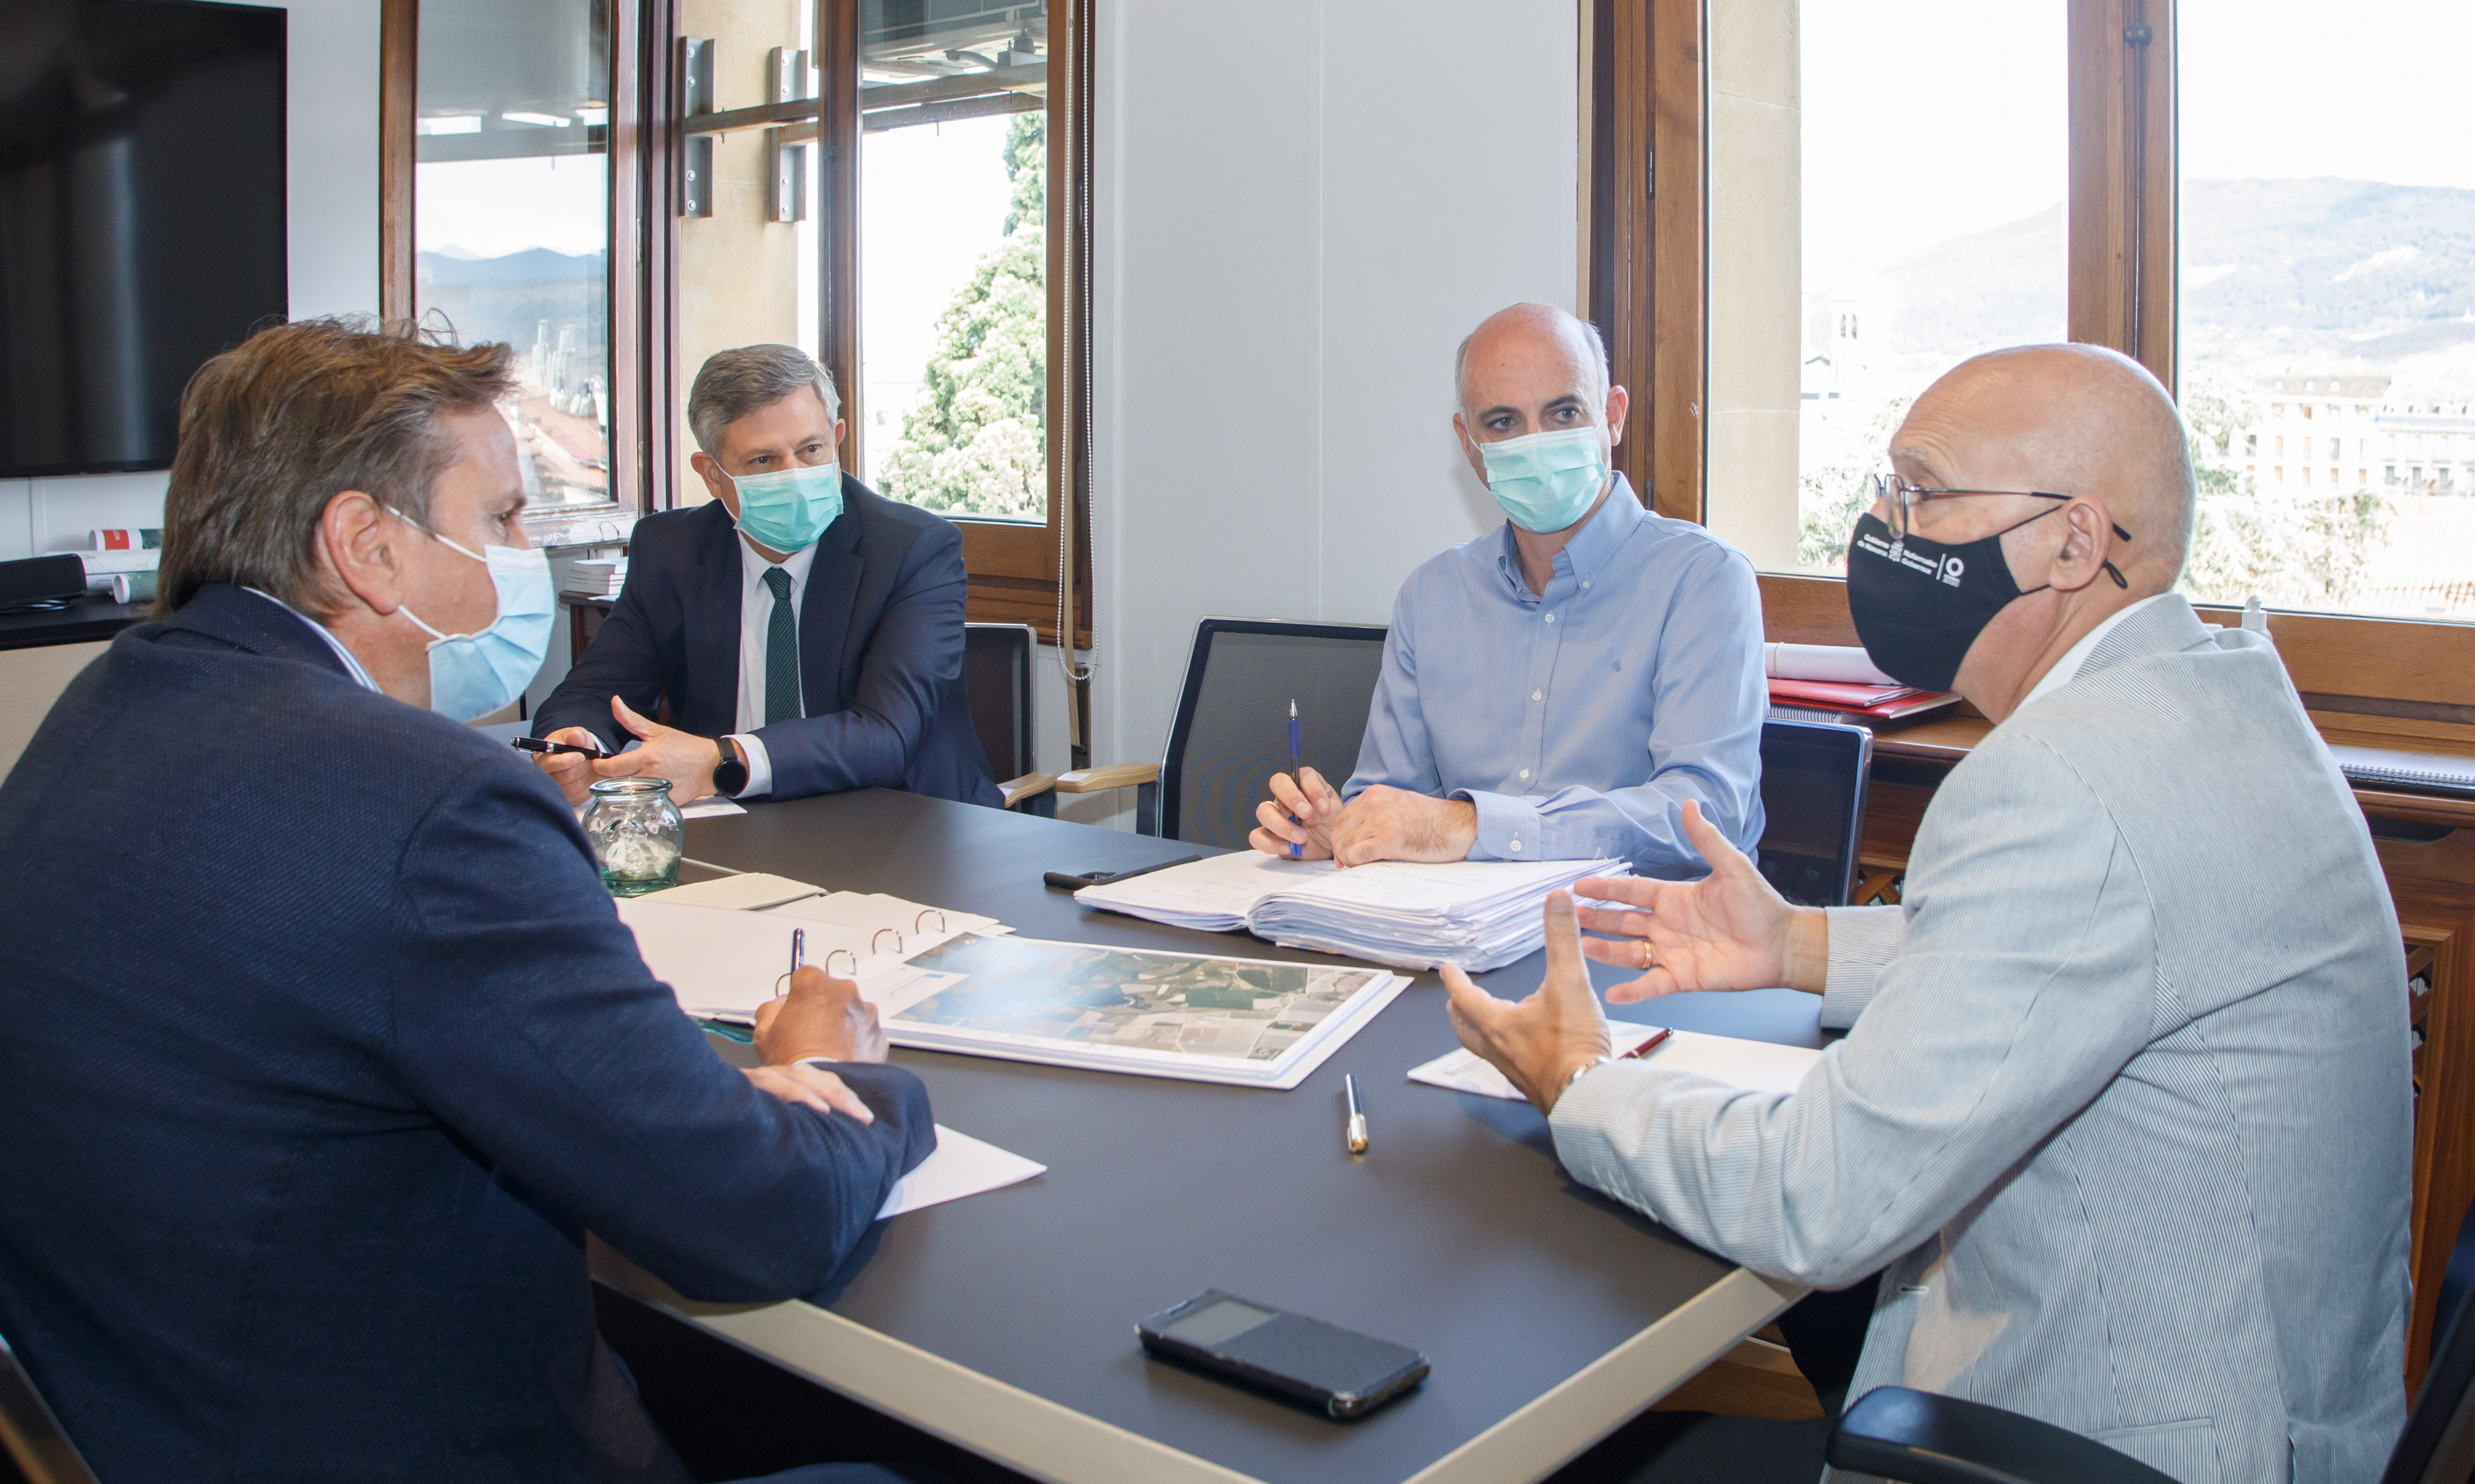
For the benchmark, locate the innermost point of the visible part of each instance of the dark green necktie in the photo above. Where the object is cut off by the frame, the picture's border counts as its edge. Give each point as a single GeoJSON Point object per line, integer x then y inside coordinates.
{"type": "Point", "coordinates": [781, 652]}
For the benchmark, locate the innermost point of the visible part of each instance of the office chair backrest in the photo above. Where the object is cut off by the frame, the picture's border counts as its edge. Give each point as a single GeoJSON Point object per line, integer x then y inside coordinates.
{"type": "Point", "coordinates": [33, 1435]}
{"type": "Point", "coordinates": [1813, 798]}
{"type": "Point", "coordinates": [2438, 1446]}
{"type": "Point", "coordinates": [996, 685]}
{"type": "Point", "coordinates": [1232, 729]}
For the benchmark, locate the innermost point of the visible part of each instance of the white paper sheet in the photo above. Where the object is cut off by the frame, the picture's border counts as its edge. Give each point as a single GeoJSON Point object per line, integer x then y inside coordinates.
{"type": "Point", "coordinates": [1762, 1066]}
{"type": "Point", "coordinates": [1841, 664]}
{"type": "Point", "coordinates": [711, 807]}
{"type": "Point", "coordinates": [893, 924]}
{"type": "Point", "coordinates": [745, 891]}
{"type": "Point", "coordinates": [720, 961]}
{"type": "Point", "coordinates": [1219, 890]}
{"type": "Point", "coordinates": [962, 1166]}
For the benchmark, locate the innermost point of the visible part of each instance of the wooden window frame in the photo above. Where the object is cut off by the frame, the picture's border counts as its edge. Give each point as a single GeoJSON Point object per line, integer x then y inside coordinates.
{"type": "Point", "coordinates": [1647, 276]}
{"type": "Point", "coordinates": [1013, 565]}
{"type": "Point", "coordinates": [626, 297]}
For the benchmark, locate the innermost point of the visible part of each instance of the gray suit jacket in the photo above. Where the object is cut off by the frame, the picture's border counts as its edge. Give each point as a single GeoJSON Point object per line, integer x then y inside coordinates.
{"type": "Point", "coordinates": [2124, 1110]}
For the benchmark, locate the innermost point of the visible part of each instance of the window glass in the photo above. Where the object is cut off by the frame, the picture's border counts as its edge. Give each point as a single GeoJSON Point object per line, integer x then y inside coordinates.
{"type": "Point", "coordinates": [511, 216]}
{"type": "Point", "coordinates": [1896, 181]}
{"type": "Point", "coordinates": [2327, 304]}
{"type": "Point", "coordinates": [953, 256]}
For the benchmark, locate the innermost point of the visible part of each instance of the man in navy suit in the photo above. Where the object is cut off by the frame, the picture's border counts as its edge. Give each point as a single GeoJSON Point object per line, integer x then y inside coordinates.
{"type": "Point", "coordinates": [326, 1047]}
{"type": "Point", "coordinates": [807, 631]}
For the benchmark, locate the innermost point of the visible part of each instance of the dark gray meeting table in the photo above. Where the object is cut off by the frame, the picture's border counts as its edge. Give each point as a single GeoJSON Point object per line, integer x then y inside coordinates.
{"type": "Point", "coordinates": [1005, 1322]}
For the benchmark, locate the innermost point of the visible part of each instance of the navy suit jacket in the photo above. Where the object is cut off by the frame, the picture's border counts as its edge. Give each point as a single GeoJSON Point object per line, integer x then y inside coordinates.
{"type": "Point", "coordinates": [324, 1049]}
{"type": "Point", "coordinates": [880, 651]}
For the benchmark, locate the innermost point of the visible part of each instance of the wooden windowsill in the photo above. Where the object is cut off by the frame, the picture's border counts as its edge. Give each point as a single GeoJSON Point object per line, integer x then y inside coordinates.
{"type": "Point", "coordinates": [1947, 740]}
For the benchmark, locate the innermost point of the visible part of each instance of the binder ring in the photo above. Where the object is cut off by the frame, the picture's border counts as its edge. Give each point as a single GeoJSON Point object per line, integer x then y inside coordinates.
{"type": "Point", "coordinates": [845, 953]}
{"type": "Point", "coordinates": [926, 913]}
{"type": "Point", "coordinates": [881, 933]}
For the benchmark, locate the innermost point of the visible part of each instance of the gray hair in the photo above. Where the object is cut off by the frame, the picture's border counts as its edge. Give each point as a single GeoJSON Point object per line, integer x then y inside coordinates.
{"type": "Point", "coordinates": [1590, 336]}
{"type": "Point", "coordinates": [734, 383]}
{"type": "Point", "coordinates": [274, 428]}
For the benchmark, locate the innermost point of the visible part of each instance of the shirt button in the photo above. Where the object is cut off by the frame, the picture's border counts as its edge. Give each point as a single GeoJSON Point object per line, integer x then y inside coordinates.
{"type": "Point", "coordinates": [1551, 618]}
{"type": "Point", "coordinates": [1516, 844]}
{"type": "Point", "coordinates": [1537, 695]}
{"type": "Point", "coordinates": [1525, 772]}
{"type": "Point", "coordinates": [1586, 582]}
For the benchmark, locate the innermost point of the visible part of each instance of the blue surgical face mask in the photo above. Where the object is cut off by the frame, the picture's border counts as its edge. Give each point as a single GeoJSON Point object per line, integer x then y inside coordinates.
{"type": "Point", "coordinates": [474, 674]}
{"type": "Point", "coordinates": [788, 508]}
{"type": "Point", "coordinates": [1546, 482]}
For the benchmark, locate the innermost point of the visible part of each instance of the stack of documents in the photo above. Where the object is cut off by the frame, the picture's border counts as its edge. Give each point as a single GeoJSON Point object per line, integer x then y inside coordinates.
{"type": "Point", "coordinates": [1480, 914]}
{"type": "Point", "coordinates": [595, 578]}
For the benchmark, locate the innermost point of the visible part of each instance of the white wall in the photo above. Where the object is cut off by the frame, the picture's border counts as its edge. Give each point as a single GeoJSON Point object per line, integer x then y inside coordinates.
{"type": "Point", "coordinates": [1299, 216]}
{"type": "Point", "coordinates": [332, 229]}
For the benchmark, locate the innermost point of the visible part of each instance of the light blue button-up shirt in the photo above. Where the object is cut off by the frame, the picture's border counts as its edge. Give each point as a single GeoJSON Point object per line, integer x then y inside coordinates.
{"type": "Point", "coordinates": [1580, 720]}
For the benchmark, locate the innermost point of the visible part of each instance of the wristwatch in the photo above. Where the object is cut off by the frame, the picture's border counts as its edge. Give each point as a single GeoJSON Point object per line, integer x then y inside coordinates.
{"type": "Point", "coordinates": [1591, 1065]}
{"type": "Point", "coordinates": [730, 774]}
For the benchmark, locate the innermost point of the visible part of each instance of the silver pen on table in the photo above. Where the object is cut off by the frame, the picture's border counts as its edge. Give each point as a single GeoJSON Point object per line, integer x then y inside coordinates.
{"type": "Point", "coordinates": [1357, 1115]}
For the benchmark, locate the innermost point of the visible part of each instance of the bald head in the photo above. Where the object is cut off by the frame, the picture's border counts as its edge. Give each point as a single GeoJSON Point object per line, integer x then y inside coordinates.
{"type": "Point", "coordinates": [1525, 345]}
{"type": "Point", "coordinates": [2072, 419]}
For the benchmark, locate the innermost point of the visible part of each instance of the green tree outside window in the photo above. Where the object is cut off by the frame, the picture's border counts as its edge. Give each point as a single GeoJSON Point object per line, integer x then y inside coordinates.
{"type": "Point", "coordinates": [976, 442]}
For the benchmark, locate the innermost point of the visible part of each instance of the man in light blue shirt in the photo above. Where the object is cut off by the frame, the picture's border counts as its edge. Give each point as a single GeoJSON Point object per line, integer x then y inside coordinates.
{"type": "Point", "coordinates": [1559, 687]}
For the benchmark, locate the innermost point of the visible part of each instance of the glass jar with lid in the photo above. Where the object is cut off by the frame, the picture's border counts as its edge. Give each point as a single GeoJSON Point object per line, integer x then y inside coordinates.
{"type": "Point", "coordinates": [636, 833]}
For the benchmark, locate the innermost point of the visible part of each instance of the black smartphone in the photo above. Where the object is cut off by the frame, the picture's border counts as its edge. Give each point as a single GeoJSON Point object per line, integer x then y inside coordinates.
{"type": "Point", "coordinates": [543, 744]}
{"type": "Point", "coordinates": [1343, 1373]}
{"type": "Point", "coordinates": [1101, 875]}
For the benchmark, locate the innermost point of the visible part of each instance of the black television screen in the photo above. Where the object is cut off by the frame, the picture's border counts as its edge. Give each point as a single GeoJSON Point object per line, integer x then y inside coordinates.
{"type": "Point", "coordinates": [142, 217]}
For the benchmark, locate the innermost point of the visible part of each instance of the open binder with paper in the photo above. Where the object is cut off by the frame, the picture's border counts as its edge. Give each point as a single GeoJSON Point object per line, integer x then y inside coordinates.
{"type": "Point", "coordinates": [960, 982]}
{"type": "Point", "coordinates": [1480, 914]}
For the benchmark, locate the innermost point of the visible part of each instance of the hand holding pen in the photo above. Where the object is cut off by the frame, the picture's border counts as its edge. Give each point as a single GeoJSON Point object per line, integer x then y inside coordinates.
{"type": "Point", "coordinates": [1295, 823]}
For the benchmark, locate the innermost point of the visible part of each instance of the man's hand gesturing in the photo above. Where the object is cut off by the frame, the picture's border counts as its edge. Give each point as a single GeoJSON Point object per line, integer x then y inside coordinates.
{"type": "Point", "coordinates": [1540, 1042]}
{"type": "Point", "coordinates": [1731, 930]}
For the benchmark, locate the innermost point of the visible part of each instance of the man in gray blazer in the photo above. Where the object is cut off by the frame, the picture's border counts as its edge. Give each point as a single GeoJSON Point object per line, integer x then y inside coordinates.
{"type": "Point", "coordinates": [2122, 1111]}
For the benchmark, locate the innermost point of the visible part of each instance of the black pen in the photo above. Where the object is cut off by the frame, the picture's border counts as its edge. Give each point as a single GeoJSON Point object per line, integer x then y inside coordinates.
{"type": "Point", "coordinates": [544, 744]}
{"type": "Point", "coordinates": [1357, 1134]}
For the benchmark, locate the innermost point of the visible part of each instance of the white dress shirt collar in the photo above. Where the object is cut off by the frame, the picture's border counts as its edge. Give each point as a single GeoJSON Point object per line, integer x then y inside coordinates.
{"type": "Point", "coordinates": [353, 666]}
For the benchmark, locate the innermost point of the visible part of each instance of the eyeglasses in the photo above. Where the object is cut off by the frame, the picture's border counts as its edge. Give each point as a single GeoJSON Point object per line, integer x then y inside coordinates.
{"type": "Point", "coordinates": [1898, 494]}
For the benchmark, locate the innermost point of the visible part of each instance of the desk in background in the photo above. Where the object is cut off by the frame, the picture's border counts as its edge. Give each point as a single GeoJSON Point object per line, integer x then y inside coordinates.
{"type": "Point", "coordinates": [41, 653]}
{"type": "Point", "coordinates": [1005, 1322]}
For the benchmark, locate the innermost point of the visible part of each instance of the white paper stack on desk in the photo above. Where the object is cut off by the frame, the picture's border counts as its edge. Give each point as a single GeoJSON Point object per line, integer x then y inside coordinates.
{"type": "Point", "coordinates": [1481, 915]}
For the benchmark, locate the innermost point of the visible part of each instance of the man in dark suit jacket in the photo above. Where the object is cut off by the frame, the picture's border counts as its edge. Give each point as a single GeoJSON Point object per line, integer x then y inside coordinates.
{"type": "Point", "coordinates": [314, 1082]}
{"type": "Point", "coordinates": [807, 631]}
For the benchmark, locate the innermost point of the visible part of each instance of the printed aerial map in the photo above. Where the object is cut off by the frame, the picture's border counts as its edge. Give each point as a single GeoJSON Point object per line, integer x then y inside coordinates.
{"type": "Point", "coordinates": [1244, 1009]}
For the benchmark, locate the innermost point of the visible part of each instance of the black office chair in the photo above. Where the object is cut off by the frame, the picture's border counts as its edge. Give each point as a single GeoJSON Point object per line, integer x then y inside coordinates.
{"type": "Point", "coordinates": [1232, 729]}
{"type": "Point", "coordinates": [1920, 1438]}
{"type": "Point", "coordinates": [42, 1450]}
{"type": "Point", "coordinates": [996, 685]}
{"type": "Point", "coordinates": [1813, 799]}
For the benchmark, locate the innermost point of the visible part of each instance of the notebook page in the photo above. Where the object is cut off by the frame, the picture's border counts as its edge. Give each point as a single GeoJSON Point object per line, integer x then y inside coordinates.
{"type": "Point", "coordinates": [1218, 885]}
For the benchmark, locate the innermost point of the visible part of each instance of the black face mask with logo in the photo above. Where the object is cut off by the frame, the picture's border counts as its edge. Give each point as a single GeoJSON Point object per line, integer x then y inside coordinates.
{"type": "Point", "coordinates": [1918, 605]}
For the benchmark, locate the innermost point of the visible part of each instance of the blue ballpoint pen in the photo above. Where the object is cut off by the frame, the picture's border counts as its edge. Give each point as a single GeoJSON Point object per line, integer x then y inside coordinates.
{"type": "Point", "coordinates": [1297, 848]}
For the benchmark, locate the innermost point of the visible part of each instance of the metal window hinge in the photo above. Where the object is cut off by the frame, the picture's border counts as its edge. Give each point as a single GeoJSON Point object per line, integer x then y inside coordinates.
{"type": "Point", "coordinates": [2136, 36]}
